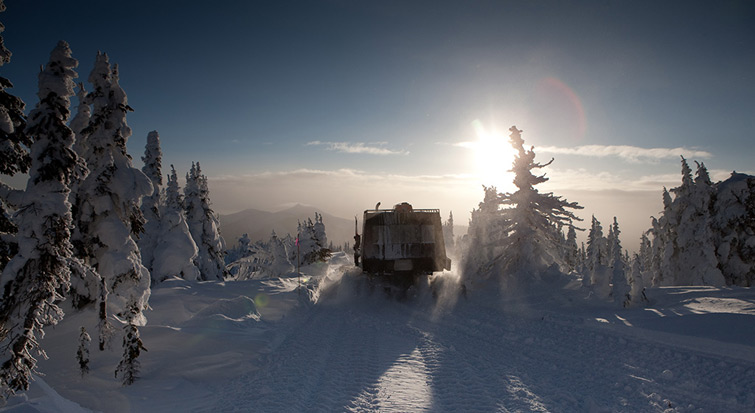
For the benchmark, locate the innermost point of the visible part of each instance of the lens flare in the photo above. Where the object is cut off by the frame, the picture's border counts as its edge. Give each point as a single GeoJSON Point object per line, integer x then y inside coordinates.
{"type": "Point", "coordinates": [564, 107]}
{"type": "Point", "coordinates": [261, 300]}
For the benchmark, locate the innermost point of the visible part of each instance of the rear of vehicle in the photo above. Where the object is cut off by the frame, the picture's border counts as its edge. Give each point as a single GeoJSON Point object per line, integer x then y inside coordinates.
{"type": "Point", "coordinates": [403, 243]}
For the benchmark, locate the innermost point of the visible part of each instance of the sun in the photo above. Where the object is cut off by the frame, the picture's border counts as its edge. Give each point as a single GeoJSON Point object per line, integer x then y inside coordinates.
{"type": "Point", "coordinates": [493, 158]}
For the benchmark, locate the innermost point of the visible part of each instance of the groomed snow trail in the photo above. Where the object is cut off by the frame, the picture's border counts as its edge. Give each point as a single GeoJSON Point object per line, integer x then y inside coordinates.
{"type": "Point", "coordinates": [370, 352]}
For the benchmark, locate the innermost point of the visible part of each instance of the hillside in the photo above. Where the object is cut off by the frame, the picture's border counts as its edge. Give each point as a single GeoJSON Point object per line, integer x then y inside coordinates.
{"type": "Point", "coordinates": [259, 224]}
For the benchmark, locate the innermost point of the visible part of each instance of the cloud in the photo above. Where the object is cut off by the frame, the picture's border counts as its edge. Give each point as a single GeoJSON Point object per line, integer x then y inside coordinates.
{"type": "Point", "coordinates": [376, 148]}
{"type": "Point", "coordinates": [626, 152]}
{"type": "Point", "coordinates": [582, 179]}
{"type": "Point", "coordinates": [629, 153]}
{"type": "Point", "coordinates": [466, 145]}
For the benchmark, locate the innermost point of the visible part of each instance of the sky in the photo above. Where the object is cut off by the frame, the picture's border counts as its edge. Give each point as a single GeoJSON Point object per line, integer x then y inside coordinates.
{"type": "Point", "coordinates": [342, 104]}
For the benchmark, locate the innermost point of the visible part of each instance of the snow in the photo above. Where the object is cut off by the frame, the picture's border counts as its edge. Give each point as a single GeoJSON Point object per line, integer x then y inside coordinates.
{"type": "Point", "coordinates": [330, 340]}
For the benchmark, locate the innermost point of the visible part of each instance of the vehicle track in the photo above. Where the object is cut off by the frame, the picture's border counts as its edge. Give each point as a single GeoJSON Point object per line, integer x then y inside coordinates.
{"type": "Point", "coordinates": [373, 353]}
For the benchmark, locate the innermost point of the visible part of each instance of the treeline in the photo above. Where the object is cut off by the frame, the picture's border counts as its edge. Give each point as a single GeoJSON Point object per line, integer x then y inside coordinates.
{"type": "Point", "coordinates": [89, 226]}
{"type": "Point", "coordinates": [705, 235]}
{"type": "Point", "coordinates": [280, 256]}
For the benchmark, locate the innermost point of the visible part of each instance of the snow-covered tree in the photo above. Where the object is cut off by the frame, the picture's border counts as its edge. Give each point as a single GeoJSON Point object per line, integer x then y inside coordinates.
{"type": "Point", "coordinates": [530, 242]}
{"type": "Point", "coordinates": [241, 250]}
{"type": "Point", "coordinates": [645, 254]}
{"type": "Point", "coordinates": [175, 251]}
{"type": "Point", "coordinates": [204, 226]}
{"type": "Point", "coordinates": [698, 263]}
{"type": "Point", "coordinates": [571, 250]}
{"type": "Point", "coordinates": [619, 285]}
{"type": "Point", "coordinates": [487, 229]}
{"type": "Point", "coordinates": [448, 232]}
{"type": "Point", "coordinates": [14, 141]}
{"type": "Point", "coordinates": [151, 204]}
{"type": "Point", "coordinates": [78, 124]}
{"type": "Point", "coordinates": [319, 231]}
{"type": "Point", "coordinates": [310, 244]}
{"type": "Point", "coordinates": [666, 232]}
{"type": "Point", "coordinates": [592, 252]}
{"type": "Point", "coordinates": [109, 214]}
{"type": "Point", "coordinates": [129, 366]}
{"type": "Point", "coordinates": [733, 224]}
{"type": "Point", "coordinates": [35, 280]}
{"type": "Point", "coordinates": [695, 261]}
{"type": "Point", "coordinates": [683, 245]}
{"type": "Point", "coordinates": [636, 283]}
{"type": "Point", "coordinates": [14, 153]}
{"type": "Point", "coordinates": [82, 353]}
{"type": "Point", "coordinates": [5, 54]}
{"type": "Point", "coordinates": [278, 263]}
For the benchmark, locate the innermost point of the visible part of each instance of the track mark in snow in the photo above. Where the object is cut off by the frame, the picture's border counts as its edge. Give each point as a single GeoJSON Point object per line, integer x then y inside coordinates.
{"type": "Point", "coordinates": [403, 387]}
{"type": "Point", "coordinates": [381, 355]}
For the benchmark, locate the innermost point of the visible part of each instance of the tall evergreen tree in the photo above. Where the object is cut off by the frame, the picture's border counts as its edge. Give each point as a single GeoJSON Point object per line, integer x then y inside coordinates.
{"type": "Point", "coordinates": [698, 264]}
{"type": "Point", "coordinates": [204, 226]}
{"type": "Point", "coordinates": [151, 204]}
{"type": "Point", "coordinates": [636, 282]}
{"type": "Point", "coordinates": [80, 122]}
{"type": "Point", "coordinates": [110, 217]}
{"type": "Point", "coordinates": [734, 228]}
{"type": "Point", "coordinates": [571, 250]}
{"type": "Point", "coordinates": [14, 153]}
{"type": "Point", "coordinates": [448, 232]}
{"type": "Point", "coordinates": [487, 227]}
{"type": "Point", "coordinates": [596, 260]}
{"type": "Point", "coordinates": [620, 288]}
{"type": "Point", "coordinates": [667, 258]}
{"type": "Point", "coordinates": [687, 256]}
{"type": "Point", "coordinates": [175, 251]}
{"type": "Point", "coordinates": [531, 241]}
{"type": "Point", "coordinates": [35, 279]}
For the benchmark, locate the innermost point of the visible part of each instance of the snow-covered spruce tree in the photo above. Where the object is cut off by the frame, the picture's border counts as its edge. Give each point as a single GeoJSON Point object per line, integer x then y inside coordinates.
{"type": "Point", "coordinates": [5, 54]}
{"type": "Point", "coordinates": [531, 242]}
{"type": "Point", "coordinates": [636, 283]}
{"type": "Point", "coordinates": [14, 154]}
{"type": "Point", "coordinates": [318, 230]}
{"type": "Point", "coordinates": [311, 241]}
{"type": "Point", "coordinates": [175, 251]}
{"type": "Point", "coordinates": [487, 230]}
{"type": "Point", "coordinates": [82, 353]}
{"type": "Point", "coordinates": [596, 269]}
{"type": "Point", "coordinates": [571, 251]}
{"type": "Point", "coordinates": [619, 286]}
{"type": "Point", "coordinates": [83, 291]}
{"type": "Point", "coordinates": [35, 279]}
{"type": "Point", "coordinates": [448, 232]}
{"type": "Point", "coordinates": [80, 122]}
{"type": "Point", "coordinates": [683, 244]}
{"type": "Point", "coordinates": [697, 263]}
{"type": "Point", "coordinates": [151, 204]}
{"type": "Point", "coordinates": [204, 226]}
{"type": "Point", "coordinates": [241, 250]}
{"type": "Point", "coordinates": [734, 228]}
{"type": "Point", "coordinates": [109, 214]}
{"type": "Point", "coordinates": [664, 244]}
{"type": "Point", "coordinates": [645, 255]}
{"type": "Point", "coordinates": [277, 263]}
{"type": "Point", "coordinates": [128, 368]}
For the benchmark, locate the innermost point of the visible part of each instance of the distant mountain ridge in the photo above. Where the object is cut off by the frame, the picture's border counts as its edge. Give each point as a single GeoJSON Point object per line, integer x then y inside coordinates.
{"type": "Point", "coordinates": [260, 224]}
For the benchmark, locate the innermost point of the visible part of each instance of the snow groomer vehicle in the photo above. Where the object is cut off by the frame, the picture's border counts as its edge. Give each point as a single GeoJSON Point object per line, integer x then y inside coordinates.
{"type": "Point", "coordinates": [402, 244]}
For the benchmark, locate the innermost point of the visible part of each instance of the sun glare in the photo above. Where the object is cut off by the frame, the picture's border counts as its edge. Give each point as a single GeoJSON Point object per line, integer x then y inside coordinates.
{"type": "Point", "coordinates": [493, 158]}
